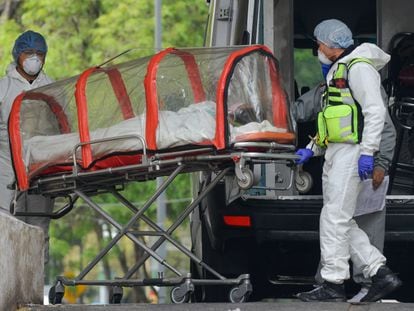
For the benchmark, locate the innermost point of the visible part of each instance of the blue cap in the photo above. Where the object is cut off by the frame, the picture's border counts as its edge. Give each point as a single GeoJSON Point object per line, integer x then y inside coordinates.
{"type": "Point", "coordinates": [29, 40]}
{"type": "Point", "coordinates": [334, 34]}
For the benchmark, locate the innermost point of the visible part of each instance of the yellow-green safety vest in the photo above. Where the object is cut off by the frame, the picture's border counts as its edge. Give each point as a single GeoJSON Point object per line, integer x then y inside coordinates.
{"type": "Point", "coordinates": [340, 120]}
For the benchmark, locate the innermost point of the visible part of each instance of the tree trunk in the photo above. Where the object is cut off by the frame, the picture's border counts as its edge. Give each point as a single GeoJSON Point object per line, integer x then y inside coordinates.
{"type": "Point", "coordinates": [8, 10]}
{"type": "Point", "coordinates": [5, 14]}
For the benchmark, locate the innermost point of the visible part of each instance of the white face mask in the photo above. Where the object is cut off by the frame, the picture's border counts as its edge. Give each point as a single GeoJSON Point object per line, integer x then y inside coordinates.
{"type": "Point", "coordinates": [32, 65]}
{"type": "Point", "coordinates": [323, 59]}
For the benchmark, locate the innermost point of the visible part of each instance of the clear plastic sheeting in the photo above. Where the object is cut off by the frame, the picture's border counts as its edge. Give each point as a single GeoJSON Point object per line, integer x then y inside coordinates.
{"type": "Point", "coordinates": [252, 106]}
{"type": "Point", "coordinates": [177, 98]}
{"type": "Point", "coordinates": [45, 112]}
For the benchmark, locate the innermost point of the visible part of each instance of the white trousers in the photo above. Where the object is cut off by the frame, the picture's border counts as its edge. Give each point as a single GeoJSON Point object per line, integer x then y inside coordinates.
{"type": "Point", "coordinates": [340, 237]}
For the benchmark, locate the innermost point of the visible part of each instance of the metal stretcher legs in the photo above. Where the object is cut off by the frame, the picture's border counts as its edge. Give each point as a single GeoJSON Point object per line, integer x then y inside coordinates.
{"type": "Point", "coordinates": [183, 284]}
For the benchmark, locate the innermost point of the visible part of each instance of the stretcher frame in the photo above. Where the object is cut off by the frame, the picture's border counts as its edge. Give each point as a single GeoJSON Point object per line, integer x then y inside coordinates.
{"type": "Point", "coordinates": [80, 184]}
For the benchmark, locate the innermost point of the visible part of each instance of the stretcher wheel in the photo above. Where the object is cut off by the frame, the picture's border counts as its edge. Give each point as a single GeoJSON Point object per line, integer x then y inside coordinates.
{"type": "Point", "coordinates": [115, 299]}
{"type": "Point", "coordinates": [238, 295]}
{"type": "Point", "coordinates": [56, 297]}
{"type": "Point", "coordinates": [179, 296]}
{"type": "Point", "coordinates": [248, 179]}
{"type": "Point", "coordinates": [303, 182]}
{"type": "Point", "coordinates": [115, 295]}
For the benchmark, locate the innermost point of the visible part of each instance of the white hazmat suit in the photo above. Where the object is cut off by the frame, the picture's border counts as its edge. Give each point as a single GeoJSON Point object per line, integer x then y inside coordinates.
{"type": "Point", "coordinates": [10, 87]}
{"type": "Point", "coordinates": [340, 236]}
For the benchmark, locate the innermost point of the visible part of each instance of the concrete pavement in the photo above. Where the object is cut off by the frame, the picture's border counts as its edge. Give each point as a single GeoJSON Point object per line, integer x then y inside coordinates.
{"type": "Point", "coordinates": [256, 306]}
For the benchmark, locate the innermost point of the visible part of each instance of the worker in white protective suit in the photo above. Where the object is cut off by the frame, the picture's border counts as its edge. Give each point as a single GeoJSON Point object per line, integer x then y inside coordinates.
{"type": "Point", "coordinates": [349, 134]}
{"type": "Point", "coordinates": [305, 109]}
{"type": "Point", "coordinates": [24, 73]}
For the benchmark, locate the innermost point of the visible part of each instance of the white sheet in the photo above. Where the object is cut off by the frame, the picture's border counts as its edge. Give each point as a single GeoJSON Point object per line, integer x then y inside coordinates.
{"type": "Point", "coordinates": [190, 125]}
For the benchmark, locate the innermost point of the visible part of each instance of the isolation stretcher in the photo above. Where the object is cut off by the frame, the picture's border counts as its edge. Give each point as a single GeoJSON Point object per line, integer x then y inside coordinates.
{"type": "Point", "coordinates": [182, 110]}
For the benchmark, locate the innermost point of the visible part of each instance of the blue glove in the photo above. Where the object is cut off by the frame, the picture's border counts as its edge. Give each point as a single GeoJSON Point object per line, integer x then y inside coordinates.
{"type": "Point", "coordinates": [365, 166]}
{"type": "Point", "coordinates": [325, 70]}
{"type": "Point", "coordinates": [305, 154]}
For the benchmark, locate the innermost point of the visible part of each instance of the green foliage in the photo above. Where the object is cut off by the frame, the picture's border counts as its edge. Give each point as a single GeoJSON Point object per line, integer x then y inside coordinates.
{"type": "Point", "coordinates": [8, 33]}
{"type": "Point", "coordinates": [307, 68]}
{"type": "Point", "coordinates": [81, 34]}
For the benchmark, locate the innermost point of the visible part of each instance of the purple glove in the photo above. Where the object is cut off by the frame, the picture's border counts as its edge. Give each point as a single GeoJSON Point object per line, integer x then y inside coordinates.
{"type": "Point", "coordinates": [305, 154]}
{"type": "Point", "coordinates": [365, 166]}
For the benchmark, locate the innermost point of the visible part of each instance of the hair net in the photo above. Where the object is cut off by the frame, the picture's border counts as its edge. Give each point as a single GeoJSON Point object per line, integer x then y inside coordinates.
{"type": "Point", "coordinates": [334, 34]}
{"type": "Point", "coordinates": [27, 41]}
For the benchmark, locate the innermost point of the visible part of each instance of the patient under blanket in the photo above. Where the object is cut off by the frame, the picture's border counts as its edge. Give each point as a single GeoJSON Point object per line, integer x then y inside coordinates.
{"type": "Point", "coordinates": [192, 125]}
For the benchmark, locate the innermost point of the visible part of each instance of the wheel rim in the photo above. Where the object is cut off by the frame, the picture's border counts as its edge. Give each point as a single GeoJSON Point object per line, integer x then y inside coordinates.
{"type": "Point", "coordinates": [183, 299]}
{"type": "Point", "coordinates": [235, 298]}
{"type": "Point", "coordinates": [247, 182]}
{"type": "Point", "coordinates": [303, 182]}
